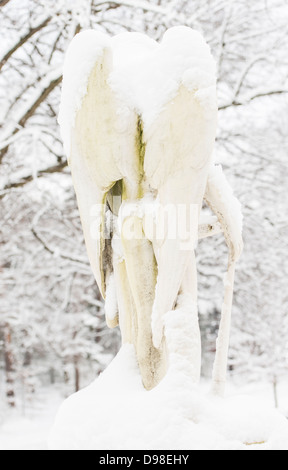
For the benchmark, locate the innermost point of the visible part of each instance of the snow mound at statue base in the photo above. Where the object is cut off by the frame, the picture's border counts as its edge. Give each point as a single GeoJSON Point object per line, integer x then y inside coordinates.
{"type": "Point", "coordinates": [115, 412]}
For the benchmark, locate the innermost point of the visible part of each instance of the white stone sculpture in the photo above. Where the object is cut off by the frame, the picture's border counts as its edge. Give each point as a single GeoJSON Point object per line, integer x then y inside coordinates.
{"type": "Point", "coordinates": [138, 120]}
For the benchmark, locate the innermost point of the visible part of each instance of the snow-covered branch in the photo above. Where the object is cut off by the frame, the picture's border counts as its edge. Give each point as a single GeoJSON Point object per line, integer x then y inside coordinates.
{"type": "Point", "coordinates": [145, 6]}
{"type": "Point", "coordinates": [222, 34]}
{"type": "Point", "coordinates": [27, 178]}
{"type": "Point", "coordinates": [252, 96]}
{"type": "Point", "coordinates": [40, 97]}
{"type": "Point", "coordinates": [23, 40]}
{"type": "Point", "coordinates": [49, 83]}
{"type": "Point", "coordinates": [243, 75]}
{"type": "Point", "coordinates": [52, 251]}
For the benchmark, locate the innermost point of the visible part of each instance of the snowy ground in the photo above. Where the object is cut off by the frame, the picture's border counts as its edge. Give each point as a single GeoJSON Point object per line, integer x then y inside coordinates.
{"type": "Point", "coordinates": [27, 429]}
{"type": "Point", "coordinates": [30, 431]}
{"type": "Point", "coordinates": [115, 412]}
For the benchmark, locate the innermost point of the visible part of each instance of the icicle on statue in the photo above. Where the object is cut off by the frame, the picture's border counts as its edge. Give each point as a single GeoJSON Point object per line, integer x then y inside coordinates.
{"type": "Point", "coordinates": [138, 120]}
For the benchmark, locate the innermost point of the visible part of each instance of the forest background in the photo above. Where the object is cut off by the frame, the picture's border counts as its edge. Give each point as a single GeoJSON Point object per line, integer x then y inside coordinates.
{"type": "Point", "coordinates": [52, 325]}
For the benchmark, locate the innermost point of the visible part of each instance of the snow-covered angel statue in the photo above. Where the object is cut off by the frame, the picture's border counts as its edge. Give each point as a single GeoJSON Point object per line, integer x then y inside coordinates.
{"type": "Point", "coordinates": [138, 120]}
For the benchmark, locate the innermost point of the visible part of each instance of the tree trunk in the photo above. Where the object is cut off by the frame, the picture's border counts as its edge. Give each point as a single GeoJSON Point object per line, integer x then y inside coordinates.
{"type": "Point", "coordinates": [275, 392]}
{"type": "Point", "coordinates": [9, 369]}
{"type": "Point", "coordinates": [77, 374]}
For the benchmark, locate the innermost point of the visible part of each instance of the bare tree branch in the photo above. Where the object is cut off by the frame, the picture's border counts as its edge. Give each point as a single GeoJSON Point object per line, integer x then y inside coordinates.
{"type": "Point", "coordinates": [143, 5]}
{"type": "Point", "coordinates": [26, 179]}
{"type": "Point", "coordinates": [4, 2]}
{"type": "Point", "coordinates": [44, 94]}
{"type": "Point", "coordinates": [223, 31]}
{"type": "Point", "coordinates": [244, 74]}
{"type": "Point", "coordinates": [31, 110]}
{"type": "Point", "coordinates": [22, 40]}
{"type": "Point", "coordinates": [246, 100]}
{"type": "Point", "coordinates": [52, 252]}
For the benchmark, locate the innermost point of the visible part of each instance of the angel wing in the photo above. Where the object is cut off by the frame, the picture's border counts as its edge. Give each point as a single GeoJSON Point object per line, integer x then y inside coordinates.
{"type": "Point", "coordinates": [179, 146]}
{"type": "Point", "coordinates": [105, 156]}
{"type": "Point", "coordinates": [101, 137]}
